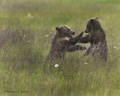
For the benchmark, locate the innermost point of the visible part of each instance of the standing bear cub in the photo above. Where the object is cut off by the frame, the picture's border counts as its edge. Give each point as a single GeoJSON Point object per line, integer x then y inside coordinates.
{"type": "Point", "coordinates": [97, 39]}
{"type": "Point", "coordinates": [61, 44]}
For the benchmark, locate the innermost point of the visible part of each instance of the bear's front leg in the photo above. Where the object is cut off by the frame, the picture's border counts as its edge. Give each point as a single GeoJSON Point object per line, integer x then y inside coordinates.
{"type": "Point", "coordinates": [76, 39]}
{"type": "Point", "coordinates": [75, 48]}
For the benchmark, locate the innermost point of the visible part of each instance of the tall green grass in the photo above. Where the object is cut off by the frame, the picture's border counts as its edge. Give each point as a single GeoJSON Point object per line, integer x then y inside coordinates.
{"type": "Point", "coordinates": [26, 31]}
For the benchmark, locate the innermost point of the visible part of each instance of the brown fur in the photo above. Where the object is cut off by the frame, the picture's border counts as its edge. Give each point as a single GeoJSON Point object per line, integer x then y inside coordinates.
{"type": "Point", "coordinates": [61, 44]}
{"type": "Point", "coordinates": [97, 39]}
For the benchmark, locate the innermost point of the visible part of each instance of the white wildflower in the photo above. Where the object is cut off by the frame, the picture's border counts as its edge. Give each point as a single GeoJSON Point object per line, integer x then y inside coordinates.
{"type": "Point", "coordinates": [30, 16]}
{"type": "Point", "coordinates": [115, 47]}
{"type": "Point", "coordinates": [85, 63]}
{"type": "Point", "coordinates": [56, 65]}
{"type": "Point", "coordinates": [29, 41]}
{"type": "Point", "coordinates": [46, 35]}
{"type": "Point", "coordinates": [24, 36]}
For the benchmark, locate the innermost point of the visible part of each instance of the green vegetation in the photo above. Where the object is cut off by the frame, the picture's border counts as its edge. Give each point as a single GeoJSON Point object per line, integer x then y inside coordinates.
{"type": "Point", "coordinates": [26, 31]}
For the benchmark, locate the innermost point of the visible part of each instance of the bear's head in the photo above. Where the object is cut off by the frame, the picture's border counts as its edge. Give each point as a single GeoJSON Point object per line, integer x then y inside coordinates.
{"type": "Point", "coordinates": [92, 25]}
{"type": "Point", "coordinates": [64, 31]}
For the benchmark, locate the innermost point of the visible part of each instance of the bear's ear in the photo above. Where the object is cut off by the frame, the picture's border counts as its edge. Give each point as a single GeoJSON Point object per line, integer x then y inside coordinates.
{"type": "Point", "coordinates": [58, 28]}
{"type": "Point", "coordinates": [92, 21]}
{"type": "Point", "coordinates": [96, 18]}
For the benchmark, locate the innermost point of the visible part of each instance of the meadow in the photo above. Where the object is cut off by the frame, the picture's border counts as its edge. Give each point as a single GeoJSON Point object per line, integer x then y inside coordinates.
{"type": "Point", "coordinates": [26, 31]}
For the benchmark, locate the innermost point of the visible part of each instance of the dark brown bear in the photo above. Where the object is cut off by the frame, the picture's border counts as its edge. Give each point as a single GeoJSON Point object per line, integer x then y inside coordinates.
{"type": "Point", "coordinates": [97, 39]}
{"type": "Point", "coordinates": [61, 44]}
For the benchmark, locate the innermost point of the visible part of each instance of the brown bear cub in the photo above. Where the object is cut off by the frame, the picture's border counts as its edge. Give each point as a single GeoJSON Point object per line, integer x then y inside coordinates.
{"type": "Point", "coordinates": [97, 39]}
{"type": "Point", "coordinates": [61, 44]}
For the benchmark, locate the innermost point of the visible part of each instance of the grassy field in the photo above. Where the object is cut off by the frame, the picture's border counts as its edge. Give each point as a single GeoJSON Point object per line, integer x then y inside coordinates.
{"type": "Point", "coordinates": [26, 31]}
